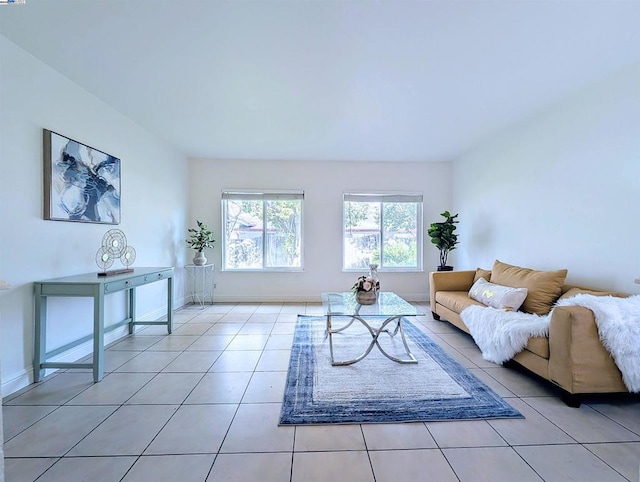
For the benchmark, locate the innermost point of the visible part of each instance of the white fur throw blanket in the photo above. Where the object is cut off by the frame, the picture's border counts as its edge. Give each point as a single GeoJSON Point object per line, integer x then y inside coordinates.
{"type": "Point", "coordinates": [618, 321]}
{"type": "Point", "coordinates": [501, 334]}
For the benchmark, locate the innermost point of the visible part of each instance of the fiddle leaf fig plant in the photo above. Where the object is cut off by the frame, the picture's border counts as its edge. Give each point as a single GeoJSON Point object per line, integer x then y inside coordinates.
{"type": "Point", "coordinates": [200, 238]}
{"type": "Point", "coordinates": [443, 235]}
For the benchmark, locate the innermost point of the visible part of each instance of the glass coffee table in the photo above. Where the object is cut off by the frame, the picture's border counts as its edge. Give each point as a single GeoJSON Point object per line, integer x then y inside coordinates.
{"type": "Point", "coordinates": [389, 307]}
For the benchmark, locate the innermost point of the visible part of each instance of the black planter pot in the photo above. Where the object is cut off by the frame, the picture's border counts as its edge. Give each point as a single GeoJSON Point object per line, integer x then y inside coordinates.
{"type": "Point", "coordinates": [445, 268]}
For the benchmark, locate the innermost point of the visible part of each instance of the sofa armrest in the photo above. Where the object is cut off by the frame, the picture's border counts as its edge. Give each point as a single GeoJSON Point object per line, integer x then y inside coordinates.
{"type": "Point", "coordinates": [578, 362]}
{"type": "Point", "coordinates": [449, 281]}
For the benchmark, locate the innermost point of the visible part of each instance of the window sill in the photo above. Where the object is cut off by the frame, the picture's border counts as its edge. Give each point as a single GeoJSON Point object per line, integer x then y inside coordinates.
{"type": "Point", "coordinates": [270, 270]}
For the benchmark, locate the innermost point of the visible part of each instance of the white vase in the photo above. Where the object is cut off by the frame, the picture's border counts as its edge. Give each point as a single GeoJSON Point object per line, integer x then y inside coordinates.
{"type": "Point", "coordinates": [200, 259]}
{"type": "Point", "coordinates": [373, 274]}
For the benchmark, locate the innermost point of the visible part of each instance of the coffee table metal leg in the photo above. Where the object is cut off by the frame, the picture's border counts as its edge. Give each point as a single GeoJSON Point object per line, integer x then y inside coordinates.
{"type": "Point", "coordinates": [338, 330]}
{"type": "Point", "coordinates": [374, 334]}
{"type": "Point", "coordinates": [328, 333]}
{"type": "Point", "coordinates": [411, 359]}
{"type": "Point", "coordinates": [330, 330]}
{"type": "Point", "coordinates": [401, 330]}
{"type": "Point", "coordinates": [404, 340]}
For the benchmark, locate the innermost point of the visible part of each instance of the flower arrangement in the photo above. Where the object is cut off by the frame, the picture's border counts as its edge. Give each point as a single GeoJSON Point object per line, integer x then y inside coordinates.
{"type": "Point", "coordinates": [365, 283]}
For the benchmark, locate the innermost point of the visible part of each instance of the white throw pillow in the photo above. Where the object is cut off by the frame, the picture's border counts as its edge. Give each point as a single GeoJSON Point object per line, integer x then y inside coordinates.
{"type": "Point", "coordinates": [497, 296]}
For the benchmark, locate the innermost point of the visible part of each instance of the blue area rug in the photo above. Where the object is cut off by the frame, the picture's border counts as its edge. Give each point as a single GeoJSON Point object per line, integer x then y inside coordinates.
{"type": "Point", "coordinates": [376, 389]}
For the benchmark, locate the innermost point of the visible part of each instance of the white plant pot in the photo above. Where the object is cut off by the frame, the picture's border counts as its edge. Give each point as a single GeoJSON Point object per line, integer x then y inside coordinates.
{"type": "Point", "coordinates": [200, 259]}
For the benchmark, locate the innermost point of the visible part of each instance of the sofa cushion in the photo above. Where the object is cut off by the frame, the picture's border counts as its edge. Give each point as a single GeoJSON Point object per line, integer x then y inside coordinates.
{"type": "Point", "coordinates": [497, 296]}
{"type": "Point", "coordinates": [456, 301]}
{"type": "Point", "coordinates": [570, 293]}
{"type": "Point", "coordinates": [539, 345]}
{"type": "Point", "coordinates": [482, 273]}
{"type": "Point", "coordinates": [544, 287]}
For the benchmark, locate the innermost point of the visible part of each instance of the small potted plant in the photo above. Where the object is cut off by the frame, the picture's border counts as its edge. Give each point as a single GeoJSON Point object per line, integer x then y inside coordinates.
{"type": "Point", "coordinates": [200, 239]}
{"type": "Point", "coordinates": [444, 237]}
{"type": "Point", "coordinates": [366, 289]}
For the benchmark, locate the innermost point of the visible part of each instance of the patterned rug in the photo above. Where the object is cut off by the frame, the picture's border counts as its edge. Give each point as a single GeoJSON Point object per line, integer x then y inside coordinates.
{"type": "Point", "coordinates": [376, 389]}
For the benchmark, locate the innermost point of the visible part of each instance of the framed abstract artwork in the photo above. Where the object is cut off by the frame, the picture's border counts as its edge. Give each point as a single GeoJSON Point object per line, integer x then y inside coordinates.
{"type": "Point", "coordinates": [81, 184]}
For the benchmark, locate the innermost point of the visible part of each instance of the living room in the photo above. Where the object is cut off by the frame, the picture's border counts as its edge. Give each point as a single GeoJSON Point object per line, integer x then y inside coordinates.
{"type": "Point", "coordinates": [553, 184]}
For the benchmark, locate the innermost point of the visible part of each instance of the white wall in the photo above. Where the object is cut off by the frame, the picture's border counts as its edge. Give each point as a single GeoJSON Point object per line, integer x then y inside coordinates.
{"type": "Point", "coordinates": [323, 184]}
{"type": "Point", "coordinates": [561, 190]}
{"type": "Point", "coordinates": [1, 431]}
{"type": "Point", "coordinates": [154, 200]}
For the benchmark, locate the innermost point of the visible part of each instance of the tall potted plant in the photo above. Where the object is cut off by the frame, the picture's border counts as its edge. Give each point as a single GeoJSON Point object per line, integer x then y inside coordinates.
{"type": "Point", "coordinates": [200, 239]}
{"type": "Point", "coordinates": [444, 237]}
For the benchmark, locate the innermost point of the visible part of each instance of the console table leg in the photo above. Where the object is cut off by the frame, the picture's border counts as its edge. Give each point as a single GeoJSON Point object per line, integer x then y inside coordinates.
{"type": "Point", "coordinates": [40, 351]}
{"type": "Point", "coordinates": [98, 334]}
{"type": "Point", "coordinates": [170, 304]}
{"type": "Point", "coordinates": [132, 309]}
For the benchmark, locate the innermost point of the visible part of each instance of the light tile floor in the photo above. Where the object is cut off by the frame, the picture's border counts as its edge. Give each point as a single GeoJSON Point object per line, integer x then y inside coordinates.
{"type": "Point", "coordinates": [203, 405]}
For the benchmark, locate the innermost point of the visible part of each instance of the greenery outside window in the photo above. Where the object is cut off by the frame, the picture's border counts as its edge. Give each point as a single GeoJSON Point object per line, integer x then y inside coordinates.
{"type": "Point", "coordinates": [385, 229]}
{"type": "Point", "coordinates": [262, 230]}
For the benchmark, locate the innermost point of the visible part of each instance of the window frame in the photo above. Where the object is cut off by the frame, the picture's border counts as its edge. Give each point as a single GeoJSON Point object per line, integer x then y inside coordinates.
{"type": "Point", "coordinates": [389, 197]}
{"type": "Point", "coordinates": [264, 196]}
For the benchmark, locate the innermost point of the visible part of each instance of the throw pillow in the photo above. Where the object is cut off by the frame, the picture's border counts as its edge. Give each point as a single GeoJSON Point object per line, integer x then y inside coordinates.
{"type": "Point", "coordinates": [482, 273]}
{"type": "Point", "coordinates": [544, 287]}
{"type": "Point", "coordinates": [497, 296]}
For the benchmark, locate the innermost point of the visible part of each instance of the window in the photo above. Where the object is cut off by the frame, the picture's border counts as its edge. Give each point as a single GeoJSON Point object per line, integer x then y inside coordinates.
{"type": "Point", "coordinates": [262, 230]}
{"type": "Point", "coordinates": [385, 229]}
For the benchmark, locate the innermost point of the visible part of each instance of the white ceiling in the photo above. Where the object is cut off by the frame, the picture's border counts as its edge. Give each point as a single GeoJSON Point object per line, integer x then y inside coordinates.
{"type": "Point", "coordinates": [328, 80]}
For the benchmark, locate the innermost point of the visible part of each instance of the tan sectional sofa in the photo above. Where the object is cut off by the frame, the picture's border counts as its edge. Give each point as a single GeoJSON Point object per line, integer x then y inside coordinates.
{"type": "Point", "coordinates": [572, 356]}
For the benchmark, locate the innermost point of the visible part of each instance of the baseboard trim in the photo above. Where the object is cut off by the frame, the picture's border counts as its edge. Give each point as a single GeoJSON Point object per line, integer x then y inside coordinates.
{"type": "Point", "coordinates": [23, 379]}
{"type": "Point", "coordinates": [414, 298]}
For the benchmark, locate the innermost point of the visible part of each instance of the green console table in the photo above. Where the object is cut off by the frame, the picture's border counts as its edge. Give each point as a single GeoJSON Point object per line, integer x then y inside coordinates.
{"type": "Point", "coordinates": [91, 285]}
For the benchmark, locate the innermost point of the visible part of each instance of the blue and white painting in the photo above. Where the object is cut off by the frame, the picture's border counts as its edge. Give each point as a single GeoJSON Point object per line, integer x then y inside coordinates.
{"type": "Point", "coordinates": [81, 183]}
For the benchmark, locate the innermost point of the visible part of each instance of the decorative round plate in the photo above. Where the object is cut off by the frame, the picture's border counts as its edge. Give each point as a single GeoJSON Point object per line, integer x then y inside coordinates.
{"type": "Point", "coordinates": [104, 259]}
{"type": "Point", "coordinates": [115, 241]}
{"type": "Point", "coordinates": [129, 256]}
